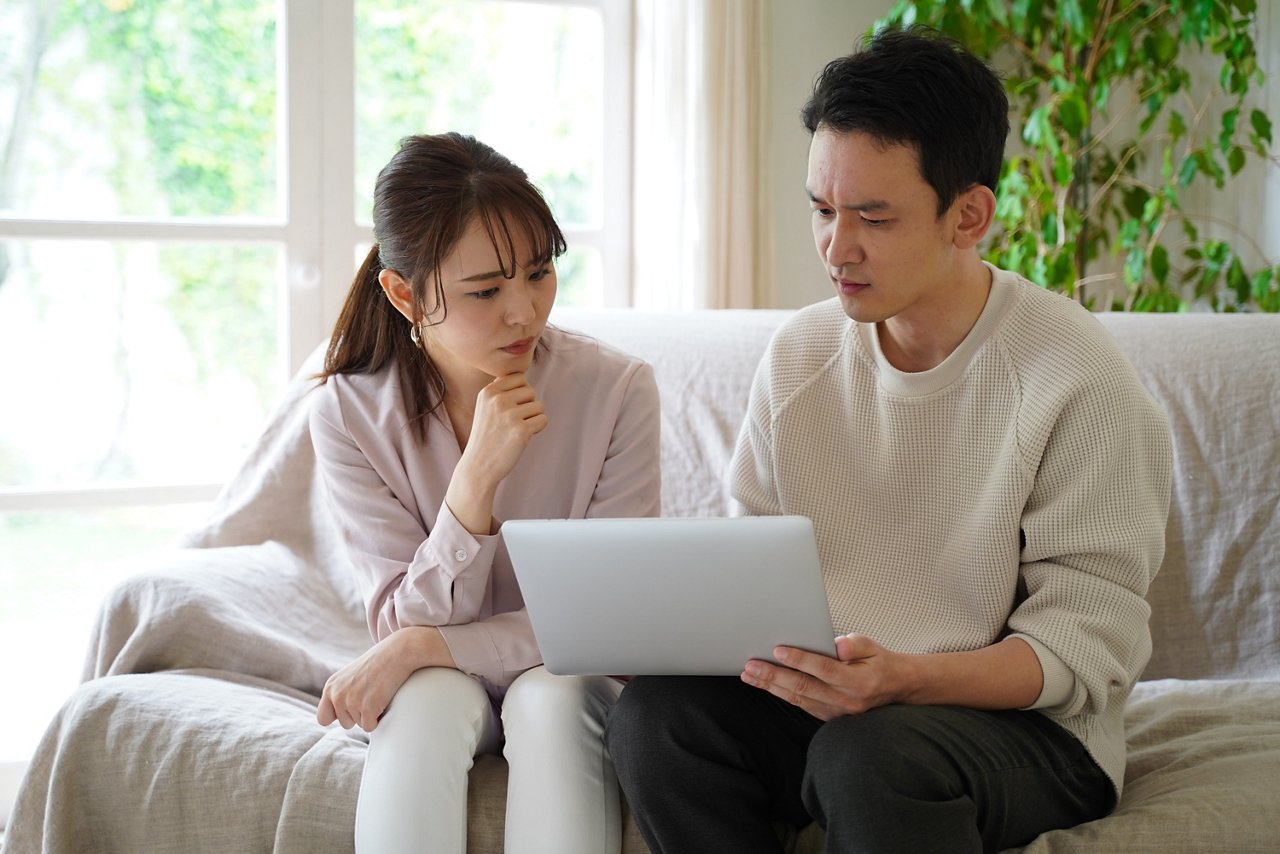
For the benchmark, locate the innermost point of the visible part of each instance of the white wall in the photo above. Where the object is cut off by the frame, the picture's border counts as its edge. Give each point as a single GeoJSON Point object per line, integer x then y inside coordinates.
{"type": "Point", "coordinates": [805, 34]}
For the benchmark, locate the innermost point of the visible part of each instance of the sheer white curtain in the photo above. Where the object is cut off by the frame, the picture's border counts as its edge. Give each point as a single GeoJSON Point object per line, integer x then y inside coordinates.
{"type": "Point", "coordinates": [699, 151]}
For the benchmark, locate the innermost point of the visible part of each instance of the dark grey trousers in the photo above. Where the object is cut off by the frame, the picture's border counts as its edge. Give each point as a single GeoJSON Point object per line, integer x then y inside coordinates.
{"type": "Point", "coordinates": [709, 764]}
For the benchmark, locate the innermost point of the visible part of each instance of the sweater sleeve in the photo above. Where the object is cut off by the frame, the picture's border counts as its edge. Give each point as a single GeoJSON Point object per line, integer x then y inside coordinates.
{"type": "Point", "coordinates": [408, 576]}
{"type": "Point", "coordinates": [752, 484]}
{"type": "Point", "coordinates": [1094, 530]}
{"type": "Point", "coordinates": [499, 648]}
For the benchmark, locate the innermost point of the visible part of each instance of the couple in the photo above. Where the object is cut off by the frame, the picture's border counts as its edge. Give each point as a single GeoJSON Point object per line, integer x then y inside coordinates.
{"type": "Point", "coordinates": [987, 478]}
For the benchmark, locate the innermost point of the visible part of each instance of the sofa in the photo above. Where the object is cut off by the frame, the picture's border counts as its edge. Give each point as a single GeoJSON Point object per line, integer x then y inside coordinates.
{"type": "Point", "coordinates": [194, 727]}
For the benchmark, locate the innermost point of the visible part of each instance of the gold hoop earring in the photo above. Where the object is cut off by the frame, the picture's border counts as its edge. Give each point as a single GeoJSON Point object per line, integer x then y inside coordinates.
{"type": "Point", "coordinates": [414, 335]}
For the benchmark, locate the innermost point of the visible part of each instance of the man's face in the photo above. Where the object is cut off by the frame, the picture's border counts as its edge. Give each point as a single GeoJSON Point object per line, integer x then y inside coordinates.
{"type": "Point", "coordinates": [876, 227]}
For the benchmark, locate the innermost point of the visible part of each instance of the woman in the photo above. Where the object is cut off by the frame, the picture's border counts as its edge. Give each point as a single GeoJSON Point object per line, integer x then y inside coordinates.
{"type": "Point", "coordinates": [447, 406]}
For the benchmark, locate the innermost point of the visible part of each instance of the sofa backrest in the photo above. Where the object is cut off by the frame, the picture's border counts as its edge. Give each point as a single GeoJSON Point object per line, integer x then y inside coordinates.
{"type": "Point", "coordinates": [1216, 600]}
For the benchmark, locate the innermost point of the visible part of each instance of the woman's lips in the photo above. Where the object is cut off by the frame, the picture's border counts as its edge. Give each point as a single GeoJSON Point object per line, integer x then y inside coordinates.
{"type": "Point", "coordinates": [520, 347]}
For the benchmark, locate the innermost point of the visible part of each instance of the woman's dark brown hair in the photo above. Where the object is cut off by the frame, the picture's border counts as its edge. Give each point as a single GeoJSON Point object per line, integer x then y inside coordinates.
{"type": "Point", "coordinates": [423, 202]}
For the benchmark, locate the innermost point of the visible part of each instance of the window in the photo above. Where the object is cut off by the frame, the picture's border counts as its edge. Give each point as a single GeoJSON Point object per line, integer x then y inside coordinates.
{"type": "Point", "coordinates": [184, 193]}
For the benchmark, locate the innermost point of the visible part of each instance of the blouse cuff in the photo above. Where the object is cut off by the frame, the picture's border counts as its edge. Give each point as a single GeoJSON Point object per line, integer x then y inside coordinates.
{"type": "Point", "coordinates": [453, 548]}
{"type": "Point", "coordinates": [474, 651]}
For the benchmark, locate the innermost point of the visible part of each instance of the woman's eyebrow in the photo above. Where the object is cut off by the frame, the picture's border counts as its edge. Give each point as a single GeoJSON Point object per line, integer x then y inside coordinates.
{"type": "Point", "coordinates": [480, 277]}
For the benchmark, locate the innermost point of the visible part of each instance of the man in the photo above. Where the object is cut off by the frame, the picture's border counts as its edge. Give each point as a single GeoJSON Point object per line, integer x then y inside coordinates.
{"type": "Point", "coordinates": [988, 482]}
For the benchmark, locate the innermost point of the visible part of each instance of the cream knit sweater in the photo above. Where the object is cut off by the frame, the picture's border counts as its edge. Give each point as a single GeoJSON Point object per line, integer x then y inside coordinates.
{"type": "Point", "coordinates": [923, 486]}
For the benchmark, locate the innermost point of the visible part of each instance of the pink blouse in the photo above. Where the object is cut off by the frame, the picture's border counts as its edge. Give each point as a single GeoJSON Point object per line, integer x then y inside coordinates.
{"type": "Point", "coordinates": [415, 562]}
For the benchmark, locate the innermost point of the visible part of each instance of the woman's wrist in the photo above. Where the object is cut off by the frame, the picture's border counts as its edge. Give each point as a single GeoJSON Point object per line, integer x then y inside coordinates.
{"type": "Point", "coordinates": [424, 646]}
{"type": "Point", "coordinates": [470, 500]}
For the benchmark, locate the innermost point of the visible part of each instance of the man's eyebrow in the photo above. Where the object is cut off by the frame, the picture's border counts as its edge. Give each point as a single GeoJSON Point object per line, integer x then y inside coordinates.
{"type": "Point", "coordinates": [870, 205]}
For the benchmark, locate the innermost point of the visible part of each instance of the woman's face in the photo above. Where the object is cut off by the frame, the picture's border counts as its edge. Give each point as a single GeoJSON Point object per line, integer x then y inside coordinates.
{"type": "Point", "coordinates": [489, 325]}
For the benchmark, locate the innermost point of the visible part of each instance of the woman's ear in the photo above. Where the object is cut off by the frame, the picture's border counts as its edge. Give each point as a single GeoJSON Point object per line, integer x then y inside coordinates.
{"type": "Point", "coordinates": [398, 291]}
{"type": "Point", "coordinates": [977, 208]}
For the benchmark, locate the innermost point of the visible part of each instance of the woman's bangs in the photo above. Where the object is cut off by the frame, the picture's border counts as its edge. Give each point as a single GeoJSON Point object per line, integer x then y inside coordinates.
{"type": "Point", "coordinates": [513, 218]}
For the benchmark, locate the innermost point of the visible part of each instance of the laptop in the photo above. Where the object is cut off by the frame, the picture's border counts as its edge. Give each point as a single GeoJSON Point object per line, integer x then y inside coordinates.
{"type": "Point", "coordinates": [676, 596]}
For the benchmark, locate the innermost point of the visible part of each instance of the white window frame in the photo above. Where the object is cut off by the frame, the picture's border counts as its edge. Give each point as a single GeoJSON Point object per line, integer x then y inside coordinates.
{"type": "Point", "coordinates": [317, 229]}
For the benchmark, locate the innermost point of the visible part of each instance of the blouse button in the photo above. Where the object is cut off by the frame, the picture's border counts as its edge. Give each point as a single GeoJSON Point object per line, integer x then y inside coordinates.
{"type": "Point", "coordinates": [460, 555]}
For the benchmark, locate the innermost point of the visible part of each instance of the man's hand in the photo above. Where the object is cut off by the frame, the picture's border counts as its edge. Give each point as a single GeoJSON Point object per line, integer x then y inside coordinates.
{"type": "Point", "coordinates": [359, 693]}
{"type": "Point", "coordinates": [862, 676]}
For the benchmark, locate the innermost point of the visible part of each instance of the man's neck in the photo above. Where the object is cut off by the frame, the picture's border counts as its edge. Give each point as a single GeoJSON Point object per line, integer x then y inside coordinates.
{"type": "Point", "coordinates": [922, 337]}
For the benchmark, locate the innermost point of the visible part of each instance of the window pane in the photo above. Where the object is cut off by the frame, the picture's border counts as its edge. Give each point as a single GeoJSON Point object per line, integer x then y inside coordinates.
{"type": "Point", "coordinates": [579, 278]}
{"type": "Point", "coordinates": [180, 99]}
{"type": "Point", "coordinates": [54, 570]}
{"type": "Point", "coordinates": [525, 78]}
{"type": "Point", "coordinates": [134, 361]}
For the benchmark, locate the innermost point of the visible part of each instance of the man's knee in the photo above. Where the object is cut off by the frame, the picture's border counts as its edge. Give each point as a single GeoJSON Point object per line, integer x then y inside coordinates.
{"type": "Point", "coordinates": [640, 713]}
{"type": "Point", "coordinates": [886, 750]}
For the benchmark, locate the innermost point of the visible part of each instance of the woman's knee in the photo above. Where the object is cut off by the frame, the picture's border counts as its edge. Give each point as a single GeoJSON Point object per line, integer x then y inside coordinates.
{"type": "Point", "coordinates": [437, 705]}
{"type": "Point", "coordinates": [542, 705]}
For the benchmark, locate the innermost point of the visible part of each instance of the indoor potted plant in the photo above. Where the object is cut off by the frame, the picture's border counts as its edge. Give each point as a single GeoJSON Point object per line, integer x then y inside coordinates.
{"type": "Point", "coordinates": [1115, 124]}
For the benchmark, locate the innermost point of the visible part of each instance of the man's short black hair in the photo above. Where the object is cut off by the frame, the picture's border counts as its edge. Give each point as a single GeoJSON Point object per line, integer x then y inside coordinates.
{"type": "Point", "coordinates": [915, 87]}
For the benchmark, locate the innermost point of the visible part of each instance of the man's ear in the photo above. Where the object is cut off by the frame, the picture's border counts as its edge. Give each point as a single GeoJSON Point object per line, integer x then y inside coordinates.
{"type": "Point", "coordinates": [977, 209]}
{"type": "Point", "coordinates": [398, 291]}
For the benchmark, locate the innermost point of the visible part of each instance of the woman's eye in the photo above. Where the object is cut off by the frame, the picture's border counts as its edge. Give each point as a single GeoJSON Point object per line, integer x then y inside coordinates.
{"type": "Point", "coordinates": [487, 293]}
{"type": "Point", "coordinates": [539, 275]}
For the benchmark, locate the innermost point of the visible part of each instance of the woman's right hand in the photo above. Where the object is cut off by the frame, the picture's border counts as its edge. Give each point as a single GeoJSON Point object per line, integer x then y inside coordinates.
{"type": "Point", "coordinates": [508, 415]}
{"type": "Point", "coordinates": [358, 694]}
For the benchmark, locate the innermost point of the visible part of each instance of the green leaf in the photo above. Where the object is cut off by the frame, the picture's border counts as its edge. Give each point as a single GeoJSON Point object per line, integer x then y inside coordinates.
{"type": "Point", "coordinates": [1238, 281]}
{"type": "Point", "coordinates": [1072, 16]}
{"type": "Point", "coordinates": [1037, 127]}
{"type": "Point", "coordinates": [1177, 127]}
{"type": "Point", "coordinates": [1261, 125]}
{"type": "Point", "coordinates": [1072, 115]}
{"type": "Point", "coordinates": [1262, 282]}
{"type": "Point", "coordinates": [1228, 129]}
{"type": "Point", "coordinates": [1134, 265]}
{"type": "Point", "coordinates": [1192, 234]}
{"type": "Point", "coordinates": [1160, 264]}
{"type": "Point", "coordinates": [1235, 160]}
{"type": "Point", "coordinates": [1063, 167]}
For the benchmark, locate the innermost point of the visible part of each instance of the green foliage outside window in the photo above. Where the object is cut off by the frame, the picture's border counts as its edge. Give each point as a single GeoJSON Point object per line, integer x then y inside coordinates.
{"type": "Point", "coordinates": [1115, 127]}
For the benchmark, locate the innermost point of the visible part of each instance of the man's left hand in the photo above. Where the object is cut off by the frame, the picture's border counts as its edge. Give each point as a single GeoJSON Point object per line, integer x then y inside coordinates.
{"type": "Point", "coordinates": [862, 676]}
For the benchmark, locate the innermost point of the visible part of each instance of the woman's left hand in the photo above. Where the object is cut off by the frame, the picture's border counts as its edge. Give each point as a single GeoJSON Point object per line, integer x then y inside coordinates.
{"type": "Point", "coordinates": [359, 693]}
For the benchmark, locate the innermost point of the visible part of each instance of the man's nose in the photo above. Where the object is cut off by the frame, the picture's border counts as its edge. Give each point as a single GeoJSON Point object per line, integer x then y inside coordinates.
{"type": "Point", "coordinates": [845, 245]}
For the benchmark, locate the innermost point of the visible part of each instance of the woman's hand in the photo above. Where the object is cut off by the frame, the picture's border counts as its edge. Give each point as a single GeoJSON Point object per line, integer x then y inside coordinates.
{"type": "Point", "coordinates": [508, 415]}
{"type": "Point", "coordinates": [359, 693]}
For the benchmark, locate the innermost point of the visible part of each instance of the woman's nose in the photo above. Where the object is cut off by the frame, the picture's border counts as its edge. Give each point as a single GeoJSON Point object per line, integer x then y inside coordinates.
{"type": "Point", "coordinates": [519, 307]}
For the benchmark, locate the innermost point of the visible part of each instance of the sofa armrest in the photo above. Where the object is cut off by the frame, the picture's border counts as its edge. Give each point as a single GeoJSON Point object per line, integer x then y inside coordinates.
{"type": "Point", "coordinates": [258, 610]}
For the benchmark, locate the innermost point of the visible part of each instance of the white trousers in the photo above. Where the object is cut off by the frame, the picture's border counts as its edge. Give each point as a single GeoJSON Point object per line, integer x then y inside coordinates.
{"type": "Point", "coordinates": [562, 794]}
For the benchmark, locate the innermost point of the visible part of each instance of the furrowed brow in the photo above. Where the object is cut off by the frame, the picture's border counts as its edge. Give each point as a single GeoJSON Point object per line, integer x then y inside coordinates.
{"type": "Point", "coordinates": [868, 206]}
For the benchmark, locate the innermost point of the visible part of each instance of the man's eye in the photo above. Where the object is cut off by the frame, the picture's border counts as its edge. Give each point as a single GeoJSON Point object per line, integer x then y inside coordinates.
{"type": "Point", "coordinates": [487, 293]}
{"type": "Point", "coordinates": [874, 221]}
{"type": "Point", "coordinates": [822, 212]}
